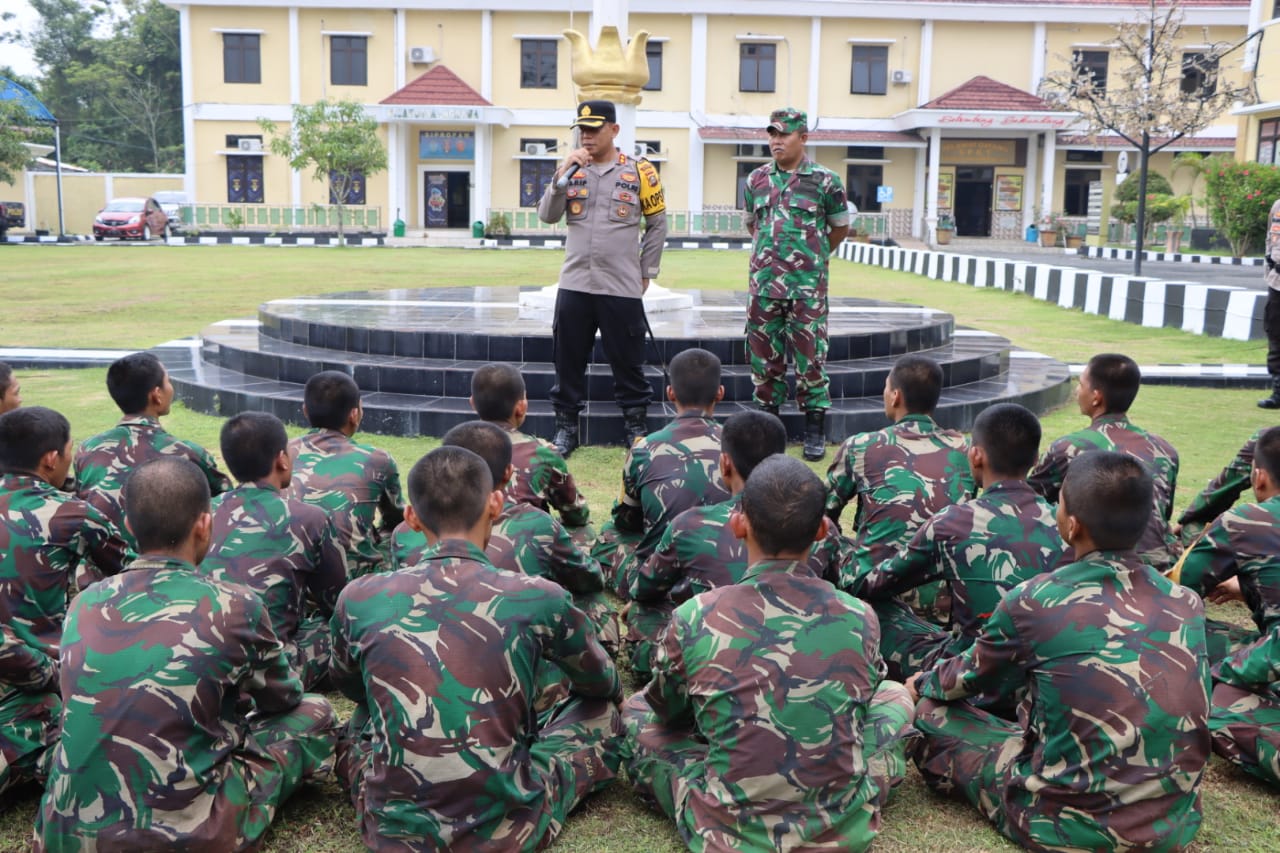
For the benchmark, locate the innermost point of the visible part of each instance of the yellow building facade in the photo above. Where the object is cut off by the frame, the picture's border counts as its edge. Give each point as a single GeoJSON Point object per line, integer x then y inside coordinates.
{"type": "Point", "coordinates": [923, 108]}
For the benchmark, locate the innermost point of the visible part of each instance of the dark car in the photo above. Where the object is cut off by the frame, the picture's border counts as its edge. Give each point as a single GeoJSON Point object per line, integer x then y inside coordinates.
{"type": "Point", "coordinates": [15, 213]}
{"type": "Point", "coordinates": [138, 218]}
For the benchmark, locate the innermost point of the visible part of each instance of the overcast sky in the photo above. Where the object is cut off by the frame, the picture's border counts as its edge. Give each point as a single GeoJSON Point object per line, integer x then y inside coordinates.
{"type": "Point", "coordinates": [17, 55]}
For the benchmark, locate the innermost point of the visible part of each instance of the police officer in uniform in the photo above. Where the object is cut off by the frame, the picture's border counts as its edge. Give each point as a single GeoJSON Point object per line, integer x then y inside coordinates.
{"type": "Point", "coordinates": [1271, 315]}
{"type": "Point", "coordinates": [603, 193]}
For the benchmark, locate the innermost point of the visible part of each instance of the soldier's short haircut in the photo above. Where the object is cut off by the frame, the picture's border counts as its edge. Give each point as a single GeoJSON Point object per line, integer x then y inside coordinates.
{"type": "Point", "coordinates": [1266, 453]}
{"type": "Point", "coordinates": [329, 396]}
{"type": "Point", "coordinates": [131, 379]}
{"type": "Point", "coordinates": [695, 377]}
{"type": "Point", "coordinates": [1010, 436]}
{"type": "Point", "coordinates": [449, 489]}
{"type": "Point", "coordinates": [919, 378]}
{"type": "Point", "coordinates": [751, 437]}
{"type": "Point", "coordinates": [251, 441]}
{"type": "Point", "coordinates": [6, 378]}
{"type": "Point", "coordinates": [1111, 494]}
{"type": "Point", "coordinates": [495, 390]}
{"type": "Point", "coordinates": [1117, 378]}
{"type": "Point", "coordinates": [163, 499]}
{"type": "Point", "coordinates": [27, 434]}
{"type": "Point", "coordinates": [784, 501]}
{"type": "Point", "coordinates": [488, 441]}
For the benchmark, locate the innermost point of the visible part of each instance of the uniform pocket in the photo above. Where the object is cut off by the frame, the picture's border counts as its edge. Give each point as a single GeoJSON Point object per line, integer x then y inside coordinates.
{"type": "Point", "coordinates": [624, 206]}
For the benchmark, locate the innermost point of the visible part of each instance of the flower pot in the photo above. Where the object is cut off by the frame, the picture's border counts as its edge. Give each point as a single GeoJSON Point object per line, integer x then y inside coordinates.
{"type": "Point", "coordinates": [1048, 239]}
{"type": "Point", "coordinates": [944, 236]}
{"type": "Point", "coordinates": [1074, 241]}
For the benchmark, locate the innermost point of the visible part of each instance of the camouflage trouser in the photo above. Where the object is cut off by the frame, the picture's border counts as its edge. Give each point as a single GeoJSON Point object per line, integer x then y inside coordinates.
{"type": "Point", "coordinates": [1246, 730]}
{"type": "Point", "coordinates": [645, 623]}
{"type": "Point", "coordinates": [1224, 638]}
{"type": "Point", "coordinates": [584, 537]}
{"type": "Point", "coordinates": [28, 731]}
{"type": "Point", "coordinates": [909, 644]}
{"type": "Point", "coordinates": [612, 550]}
{"type": "Point", "coordinates": [576, 752]}
{"type": "Point", "coordinates": [772, 325]}
{"type": "Point", "coordinates": [604, 618]}
{"type": "Point", "coordinates": [309, 651]}
{"type": "Point", "coordinates": [666, 765]}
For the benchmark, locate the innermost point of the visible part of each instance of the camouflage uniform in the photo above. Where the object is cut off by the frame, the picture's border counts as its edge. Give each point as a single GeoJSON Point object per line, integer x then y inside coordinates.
{"type": "Point", "coordinates": [1245, 718]}
{"type": "Point", "coordinates": [790, 214]}
{"type": "Point", "coordinates": [51, 545]}
{"type": "Point", "coordinates": [29, 709]}
{"type": "Point", "coordinates": [446, 749]}
{"type": "Point", "coordinates": [665, 473]}
{"type": "Point", "coordinates": [103, 465]}
{"type": "Point", "coordinates": [901, 475]}
{"type": "Point", "coordinates": [1221, 493]}
{"type": "Point", "coordinates": [351, 482]}
{"type": "Point", "coordinates": [1114, 432]}
{"type": "Point", "coordinates": [767, 725]}
{"type": "Point", "coordinates": [699, 553]}
{"type": "Point", "coordinates": [158, 664]}
{"type": "Point", "coordinates": [1243, 543]}
{"type": "Point", "coordinates": [1112, 737]}
{"type": "Point", "coordinates": [979, 550]}
{"type": "Point", "coordinates": [288, 553]}
{"type": "Point", "coordinates": [542, 479]}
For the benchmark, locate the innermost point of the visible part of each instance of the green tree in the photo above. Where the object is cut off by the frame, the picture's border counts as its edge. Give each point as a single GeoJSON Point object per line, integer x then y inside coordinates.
{"type": "Point", "coordinates": [337, 140]}
{"type": "Point", "coordinates": [1239, 197]}
{"type": "Point", "coordinates": [14, 154]}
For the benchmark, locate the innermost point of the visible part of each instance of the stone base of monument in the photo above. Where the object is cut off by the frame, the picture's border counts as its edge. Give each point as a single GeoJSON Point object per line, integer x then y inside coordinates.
{"type": "Point", "coordinates": [413, 352]}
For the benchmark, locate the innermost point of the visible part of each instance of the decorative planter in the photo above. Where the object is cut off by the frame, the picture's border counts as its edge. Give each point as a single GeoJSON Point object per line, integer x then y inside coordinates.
{"type": "Point", "coordinates": [1074, 241]}
{"type": "Point", "coordinates": [1048, 239]}
{"type": "Point", "coordinates": [944, 236]}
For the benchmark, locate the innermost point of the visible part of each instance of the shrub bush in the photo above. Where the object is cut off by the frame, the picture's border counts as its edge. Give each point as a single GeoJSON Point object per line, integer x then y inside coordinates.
{"type": "Point", "coordinates": [1239, 197]}
{"type": "Point", "coordinates": [1125, 200]}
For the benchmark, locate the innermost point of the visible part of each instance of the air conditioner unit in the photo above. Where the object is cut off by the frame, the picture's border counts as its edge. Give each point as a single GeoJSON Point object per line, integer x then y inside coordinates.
{"type": "Point", "coordinates": [535, 149]}
{"type": "Point", "coordinates": [642, 150]}
{"type": "Point", "coordinates": [902, 77]}
{"type": "Point", "coordinates": [422, 55]}
{"type": "Point", "coordinates": [250, 144]}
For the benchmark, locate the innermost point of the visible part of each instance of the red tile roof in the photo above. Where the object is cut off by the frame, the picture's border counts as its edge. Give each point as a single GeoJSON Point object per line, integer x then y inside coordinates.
{"type": "Point", "coordinates": [438, 85]}
{"type": "Point", "coordinates": [983, 93]}
{"type": "Point", "coordinates": [1195, 143]}
{"type": "Point", "coordinates": [869, 137]}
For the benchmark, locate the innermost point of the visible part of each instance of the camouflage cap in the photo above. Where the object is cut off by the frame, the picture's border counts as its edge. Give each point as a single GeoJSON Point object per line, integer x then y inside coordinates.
{"type": "Point", "coordinates": [788, 120]}
{"type": "Point", "coordinates": [595, 114]}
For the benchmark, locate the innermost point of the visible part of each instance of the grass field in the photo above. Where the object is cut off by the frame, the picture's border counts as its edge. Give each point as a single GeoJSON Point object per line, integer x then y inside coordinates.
{"type": "Point", "coordinates": [135, 297]}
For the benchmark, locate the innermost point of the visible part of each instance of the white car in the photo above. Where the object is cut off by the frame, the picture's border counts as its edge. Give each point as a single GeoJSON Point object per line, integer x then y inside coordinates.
{"type": "Point", "coordinates": [172, 202]}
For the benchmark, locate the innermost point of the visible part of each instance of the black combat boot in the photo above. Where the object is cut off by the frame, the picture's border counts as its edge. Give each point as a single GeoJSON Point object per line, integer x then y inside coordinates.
{"type": "Point", "coordinates": [773, 410]}
{"type": "Point", "coordinates": [635, 420]}
{"type": "Point", "coordinates": [815, 434]}
{"type": "Point", "coordinates": [1272, 402]}
{"type": "Point", "coordinates": [566, 440]}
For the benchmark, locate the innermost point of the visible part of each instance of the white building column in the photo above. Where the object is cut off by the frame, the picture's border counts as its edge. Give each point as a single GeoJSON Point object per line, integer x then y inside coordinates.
{"type": "Point", "coordinates": [486, 55]}
{"type": "Point", "coordinates": [608, 13]}
{"type": "Point", "coordinates": [1050, 161]}
{"type": "Point", "coordinates": [1031, 191]}
{"type": "Point", "coordinates": [188, 106]}
{"type": "Point", "coordinates": [931, 185]}
{"type": "Point", "coordinates": [815, 67]}
{"type": "Point", "coordinates": [1039, 46]}
{"type": "Point", "coordinates": [482, 185]}
{"type": "Point", "coordinates": [395, 172]}
{"type": "Point", "coordinates": [697, 107]}
{"type": "Point", "coordinates": [917, 197]}
{"type": "Point", "coordinates": [924, 73]}
{"type": "Point", "coordinates": [295, 95]}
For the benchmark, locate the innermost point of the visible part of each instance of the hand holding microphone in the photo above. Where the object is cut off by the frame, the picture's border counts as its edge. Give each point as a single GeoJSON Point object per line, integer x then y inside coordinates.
{"type": "Point", "coordinates": [575, 161]}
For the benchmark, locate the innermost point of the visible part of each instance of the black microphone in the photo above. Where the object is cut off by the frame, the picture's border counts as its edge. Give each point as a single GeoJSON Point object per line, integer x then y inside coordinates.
{"type": "Point", "coordinates": [567, 176]}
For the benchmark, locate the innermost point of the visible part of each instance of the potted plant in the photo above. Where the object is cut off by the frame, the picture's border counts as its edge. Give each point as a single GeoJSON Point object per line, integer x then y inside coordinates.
{"type": "Point", "coordinates": [946, 228]}
{"type": "Point", "coordinates": [1047, 228]}
{"type": "Point", "coordinates": [1071, 237]}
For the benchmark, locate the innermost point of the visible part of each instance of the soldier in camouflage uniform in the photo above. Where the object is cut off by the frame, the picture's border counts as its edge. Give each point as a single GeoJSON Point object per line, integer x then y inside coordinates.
{"type": "Point", "coordinates": [667, 471]}
{"type": "Point", "coordinates": [901, 475]}
{"type": "Point", "coordinates": [1106, 390]}
{"type": "Point", "coordinates": [1112, 735]}
{"type": "Point", "coordinates": [357, 485]}
{"type": "Point", "coordinates": [282, 549]}
{"type": "Point", "coordinates": [51, 544]}
{"type": "Point", "coordinates": [447, 749]}
{"type": "Point", "coordinates": [1245, 717]}
{"type": "Point", "coordinates": [29, 709]}
{"type": "Point", "coordinates": [699, 551]}
{"type": "Point", "coordinates": [767, 725]}
{"type": "Point", "coordinates": [979, 549]}
{"type": "Point", "coordinates": [159, 665]}
{"type": "Point", "coordinates": [797, 214]}
{"type": "Point", "coordinates": [1241, 549]}
{"type": "Point", "coordinates": [140, 386]}
{"type": "Point", "coordinates": [1221, 492]}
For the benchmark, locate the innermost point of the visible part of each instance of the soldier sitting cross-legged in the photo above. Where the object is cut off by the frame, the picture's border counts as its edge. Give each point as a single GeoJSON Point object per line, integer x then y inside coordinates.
{"type": "Point", "coordinates": [767, 725]}
{"type": "Point", "coordinates": [1245, 718]}
{"type": "Point", "coordinates": [443, 660]}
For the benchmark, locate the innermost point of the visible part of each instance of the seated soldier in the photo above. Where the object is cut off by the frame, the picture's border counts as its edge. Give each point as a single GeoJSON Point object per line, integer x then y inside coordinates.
{"type": "Point", "coordinates": [524, 539]}
{"type": "Point", "coordinates": [979, 549]}
{"type": "Point", "coordinates": [901, 475]}
{"type": "Point", "coordinates": [767, 725]}
{"type": "Point", "coordinates": [1108, 386]}
{"type": "Point", "coordinates": [282, 549]}
{"type": "Point", "coordinates": [140, 386]}
{"type": "Point", "coordinates": [10, 389]}
{"type": "Point", "coordinates": [1112, 737]}
{"type": "Point", "coordinates": [699, 551]}
{"type": "Point", "coordinates": [1238, 555]}
{"type": "Point", "coordinates": [542, 478]}
{"type": "Point", "coordinates": [667, 471]}
{"type": "Point", "coordinates": [51, 543]}
{"type": "Point", "coordinates": [1245, 717]}
{"type": "Point", "coordinates": [1221, 492]}
{"type": "Point", "coordinates": [446, 748]}
{"type": "Point", "coordinates": [357, 485]}
{"type": "Point", "coordinates": [29, 709]}
{"type": "Point", "coordinates": [159, 665]}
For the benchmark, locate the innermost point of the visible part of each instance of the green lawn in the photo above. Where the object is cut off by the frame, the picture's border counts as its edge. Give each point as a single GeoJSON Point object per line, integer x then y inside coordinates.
{"type": "Point", "coordinates": [130, 297]}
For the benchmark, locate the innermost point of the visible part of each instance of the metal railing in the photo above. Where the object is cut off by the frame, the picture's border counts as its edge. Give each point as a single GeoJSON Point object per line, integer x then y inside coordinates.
{"type": "Point", "coordinates": [277, 217]}
{"type": "Point", "coordinates": [680, 223]}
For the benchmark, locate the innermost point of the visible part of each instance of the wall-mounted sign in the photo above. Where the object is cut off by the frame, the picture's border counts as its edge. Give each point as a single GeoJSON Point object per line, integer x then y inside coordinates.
{"type": "Point", "coordinates": [437, 200]}
{"type": "Point", "coordinates": [984, 152]}
{"type": "Point", "coordinates": [446, 145]}
{"type": "Point", "coordinates": [884, 195]}
{"type": "Point", "coordinates": [1012, 121]}
{"type": "Point", "coordinates": [410, 112]}
{"type": "Point", "coordinates": [1008, 192]}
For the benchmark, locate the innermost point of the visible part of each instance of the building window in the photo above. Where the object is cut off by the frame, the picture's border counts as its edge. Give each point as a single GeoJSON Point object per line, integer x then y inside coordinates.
{"type": "Point", "coordinates": [1199, 74]}
{"type": "Point", "coordinates": [863, 179]}
{"type": "Point", "coordinates": [349, 60]}
{"type": "Point", "coordinates": [1269, 141]}
{"type": "Point", "coordinates": [538, 63]}
{"type": "Point", "coordinates": [757, 67]}
{"type": "Point", "coordinates": [870, 70]}
{"type": "Point", "coordinates": [355, 190]}
{"type": "Point", "coordinates": [1094, 64]}
{"type": "Point", "coordinates": [653, 53]}
{"type": "Point", "coordinates": [1077, 156]}
{"type": "Point", "coordinates": [1275, 9]}
{"type": "Point", "coordinates": [244, 180]}
{"type": "Point", "coordinates": [241, 58]}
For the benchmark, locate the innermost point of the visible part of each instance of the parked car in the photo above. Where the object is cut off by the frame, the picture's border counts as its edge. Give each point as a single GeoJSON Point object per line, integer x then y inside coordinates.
{"type": "Point", "coordinates": [15, 213]}
{"type": "Point", "coordinates": [172, 202]}
{"type": "Point", "coordinates": [140, 218]}
{"type": "Point", "coordinates": [4, 219]}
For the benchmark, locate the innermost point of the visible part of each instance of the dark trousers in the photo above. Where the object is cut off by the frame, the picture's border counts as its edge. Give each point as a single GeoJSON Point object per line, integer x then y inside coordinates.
{"type": "Point", "coordinates": [1271, 325]}
{"type": "Point", "coordinates": [620, 320]}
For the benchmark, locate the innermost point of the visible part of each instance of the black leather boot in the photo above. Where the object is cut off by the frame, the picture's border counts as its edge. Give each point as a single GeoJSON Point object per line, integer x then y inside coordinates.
{"type": "Point", "coordinates": [773, 410]}
{"type": "Point", "coordinates": [566, 440]}
{"type": "Point", "coordinates": [1272, 402]}
{"type": "Point", "coordinates": [815, 434]}
{"type": "Point", "coordinates": [635, 420]}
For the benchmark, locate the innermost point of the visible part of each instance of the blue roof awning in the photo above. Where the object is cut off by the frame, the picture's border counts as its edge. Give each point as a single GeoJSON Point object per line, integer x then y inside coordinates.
{"type": "Point", "coordinates": [38, 112]}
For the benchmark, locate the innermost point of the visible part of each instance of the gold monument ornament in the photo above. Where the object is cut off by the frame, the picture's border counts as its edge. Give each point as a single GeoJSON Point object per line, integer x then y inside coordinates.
{"type": "Point", "coordinates": [608, 72]}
